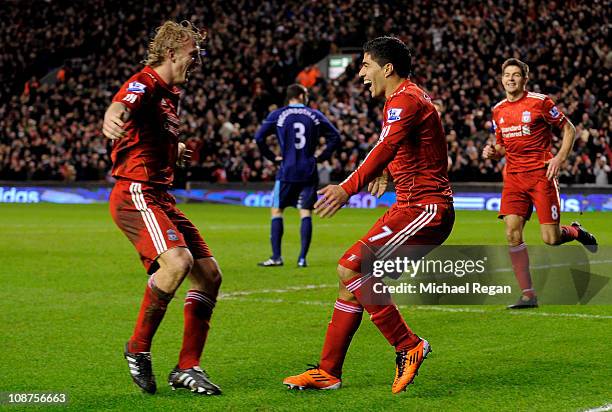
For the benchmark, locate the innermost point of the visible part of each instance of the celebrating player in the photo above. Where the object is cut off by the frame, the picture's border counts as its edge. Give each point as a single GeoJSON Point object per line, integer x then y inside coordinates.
{"type": "Point", "coordinates": [144, 124]}
{"type": "Point", "coordinates": [523, 130]}
{"type": "Point", "coordinates": [412, 148]}
{"type": "Point", "coordinates": [298, 129]}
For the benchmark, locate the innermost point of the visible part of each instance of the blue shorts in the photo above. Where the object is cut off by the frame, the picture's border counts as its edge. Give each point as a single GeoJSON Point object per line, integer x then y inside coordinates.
{"type": "Point", "coordinates": [302, 195]}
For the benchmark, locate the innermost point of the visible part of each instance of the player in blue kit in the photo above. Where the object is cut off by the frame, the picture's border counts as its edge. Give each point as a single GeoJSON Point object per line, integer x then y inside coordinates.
{"type": "Point", "coordinates": [297, 128]}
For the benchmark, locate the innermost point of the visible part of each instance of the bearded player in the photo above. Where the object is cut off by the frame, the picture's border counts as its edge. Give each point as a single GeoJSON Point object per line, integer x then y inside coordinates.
{"type": "Point", "coordinates": [143, 122]}
{"type": "Point", "coordinates": [523, 125]}
{"type": "Point", "coordinates": [412, 150]}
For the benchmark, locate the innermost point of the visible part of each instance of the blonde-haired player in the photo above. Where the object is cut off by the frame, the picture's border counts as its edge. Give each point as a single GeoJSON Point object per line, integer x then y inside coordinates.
{"type": "Point", "coordinates": [143, 122]}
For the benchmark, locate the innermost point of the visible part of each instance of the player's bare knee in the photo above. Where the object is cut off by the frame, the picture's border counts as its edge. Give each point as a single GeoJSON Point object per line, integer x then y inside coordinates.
{"type": "Point", "coordinates": [514, 237]}
{"type": "Point", "coordinates": [215, 278]}
{"type": "Point", "coordinates": [344, 294]}
{"type": "Point", "coordinates": [345, 273]}
{"type": "Point", "coordinates": [175, 264]}
{"type": "Point", "coordinates": [347, 296]}
{"type": "Point", "coordinates": [305, 213]}
{"type": "Point", "coordinates": [206, 276]}
{"type": "Point", "coordinates": [551, 239]}
{"type": "Point", "coordinates": [181, 263]}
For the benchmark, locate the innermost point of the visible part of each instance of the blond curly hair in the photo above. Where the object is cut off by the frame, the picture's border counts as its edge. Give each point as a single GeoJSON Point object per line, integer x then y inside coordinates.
{"type": "Point", "coordinates": [171, 36]}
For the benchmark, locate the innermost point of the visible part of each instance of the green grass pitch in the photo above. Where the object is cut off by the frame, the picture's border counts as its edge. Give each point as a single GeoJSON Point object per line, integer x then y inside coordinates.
{"type": "Point", "coordinates": [71, 286]}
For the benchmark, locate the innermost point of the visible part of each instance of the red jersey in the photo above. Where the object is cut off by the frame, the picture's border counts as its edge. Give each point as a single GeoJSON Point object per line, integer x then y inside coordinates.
{"type": "Point", "coordinates": [148, 151]}
{"type": "Point", "coordinates": [412, 146]}
{"type": "Point", "coordinates": [524, 129]}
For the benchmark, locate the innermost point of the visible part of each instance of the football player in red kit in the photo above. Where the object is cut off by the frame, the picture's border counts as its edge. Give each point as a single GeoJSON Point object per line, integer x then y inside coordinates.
{"type": "Point", "coordinates": [412, 150]}
{"type": "Point", "coordinates": [143, 122]}
{"type": "Point", "coordinates": [523, 124]}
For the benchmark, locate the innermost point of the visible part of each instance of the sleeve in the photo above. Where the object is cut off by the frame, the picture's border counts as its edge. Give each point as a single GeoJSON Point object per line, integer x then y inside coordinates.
{"type": "Point", "coordinates": [266, 129]}
{"type": "Point", "coordinates": [552, 115]}
{"type": "Point", "coordinates": [332, 138]}
{"type": "Point", "coordinates": [401, 117]}
{"type": "Point", "coordinates": [499, 140]}
{"type": "Point", "coordinates": [135, 92]}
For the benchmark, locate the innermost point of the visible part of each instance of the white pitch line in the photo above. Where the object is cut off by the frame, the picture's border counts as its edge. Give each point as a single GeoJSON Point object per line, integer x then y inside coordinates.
{"type": "Point", "coordinates": [263, 226]}
{"type": "Point", "coordinates": [511, 312]}
{"type": "Point", "coordinates": [243, 296]}
{"type": "Point", "coordinates": [603, 408]}
{"type": "Point", "coordinates": [428, 308]}
{"type": "Point", "coordinates": [558, 265]}
{"type": "Point", "coordinates": [301, 302]}
{"type": "Point", "coordinates": [288, 289]}
{"type": "Point", "coordinates": [566, 315]}
{"type": "Point", "coordinates": [444, 309]}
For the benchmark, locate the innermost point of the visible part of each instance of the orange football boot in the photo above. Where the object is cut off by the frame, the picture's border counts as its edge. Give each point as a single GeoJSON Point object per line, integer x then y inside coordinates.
{"type": "Point", "coordinates": [313, 378]}
{"type": "Point", "coordinates": [407, 364]}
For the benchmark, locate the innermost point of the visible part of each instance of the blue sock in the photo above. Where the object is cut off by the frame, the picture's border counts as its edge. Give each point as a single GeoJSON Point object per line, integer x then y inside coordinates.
{"type": "Point", "coordinates": [276, 234]}
{"type": "Point", "coordinates": [306, 235]}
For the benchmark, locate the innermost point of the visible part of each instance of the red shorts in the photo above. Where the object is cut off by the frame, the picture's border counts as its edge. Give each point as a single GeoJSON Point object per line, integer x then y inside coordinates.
{"type": "Point", "coordinates": [149, 218]}
{"type": "Point", "coordinates": [522, 191]}
{"type": "Point", "coordinates": [417, 225]}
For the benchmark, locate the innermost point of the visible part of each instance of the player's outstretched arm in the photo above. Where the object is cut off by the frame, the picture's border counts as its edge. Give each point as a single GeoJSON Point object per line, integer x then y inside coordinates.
{"type": "Point", "coordinates": [555, 164]}
{"type": "Point", "coordinates": [335, 196]}
{"type": "Point", "coordinates": [391, 136]}
{"type": "Point", "coordinates": [372, 167]}
{"type": "Point", "coordinates": [114, 120]}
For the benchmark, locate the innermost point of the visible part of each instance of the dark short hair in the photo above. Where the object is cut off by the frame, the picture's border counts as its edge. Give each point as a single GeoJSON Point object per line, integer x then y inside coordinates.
{"type": "Point", "coordinates": [296, 90]}
{"type": "Point", "coordinates": [392, 50]}
{"type": "Point", "coordinates": [516, 62]}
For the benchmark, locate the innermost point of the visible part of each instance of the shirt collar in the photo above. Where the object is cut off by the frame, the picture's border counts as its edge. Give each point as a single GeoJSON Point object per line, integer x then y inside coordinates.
{"type": "Point", "coordinates": [162, 83]}
{"type": "Point", "coordinates": [401, 87]}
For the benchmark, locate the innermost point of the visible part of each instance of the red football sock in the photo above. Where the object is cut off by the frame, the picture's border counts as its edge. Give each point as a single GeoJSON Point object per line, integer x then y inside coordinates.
{"type": "Point", "coordinates": [568, 233]}
{"type": "Point", "coordinates": [152, 311]}
{"type": "Point", "coordinates": [385, 314]}
{"type": "Point", "coordinates": [343, 325]}
{"type": "Point", "coordinates": [520, 264]}
{"type": "Point", "coordinates": [197, 311]}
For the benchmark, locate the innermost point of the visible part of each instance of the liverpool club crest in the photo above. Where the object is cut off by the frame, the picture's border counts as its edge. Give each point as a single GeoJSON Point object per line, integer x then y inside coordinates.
{"type": "Point", "coordinates": [526, 117]}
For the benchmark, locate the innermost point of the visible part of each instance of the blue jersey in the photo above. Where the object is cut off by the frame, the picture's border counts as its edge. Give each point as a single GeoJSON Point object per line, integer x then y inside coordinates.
{"type": "Point", "coordinates": [298, 129]}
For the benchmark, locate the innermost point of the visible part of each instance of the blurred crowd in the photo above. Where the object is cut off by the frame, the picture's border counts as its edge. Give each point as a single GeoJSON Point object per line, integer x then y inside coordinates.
{"type": "Point", "coordinates": [62, 63]}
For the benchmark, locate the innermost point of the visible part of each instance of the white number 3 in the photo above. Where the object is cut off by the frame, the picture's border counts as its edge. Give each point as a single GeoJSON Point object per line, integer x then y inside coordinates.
{"type": "Point", "coordinates": [300, 137]}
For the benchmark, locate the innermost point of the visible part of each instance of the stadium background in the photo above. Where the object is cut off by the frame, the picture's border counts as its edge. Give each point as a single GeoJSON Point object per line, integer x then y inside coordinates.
{"type": "Point", "coordinates": [62, 63]}
{"type": "Point", "coordinates": [71, 281]}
